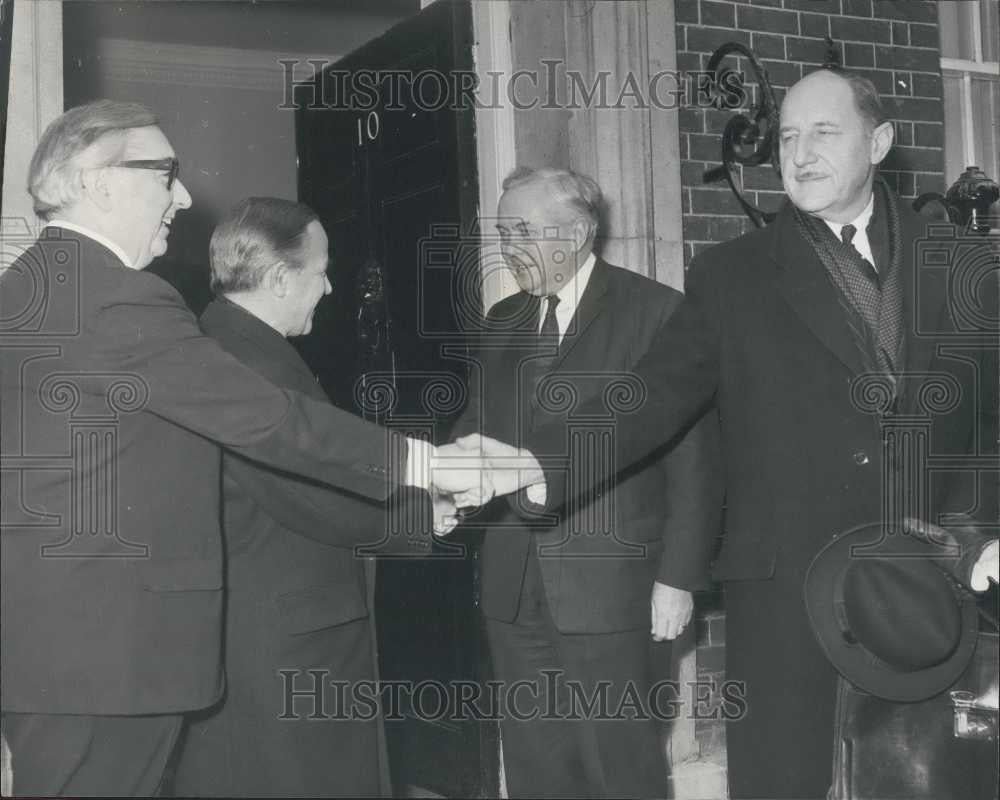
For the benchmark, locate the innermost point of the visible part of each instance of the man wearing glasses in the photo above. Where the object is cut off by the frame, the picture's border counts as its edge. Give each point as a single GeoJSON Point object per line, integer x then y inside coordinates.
{"type": "Point", "coordinates": [113, 409]}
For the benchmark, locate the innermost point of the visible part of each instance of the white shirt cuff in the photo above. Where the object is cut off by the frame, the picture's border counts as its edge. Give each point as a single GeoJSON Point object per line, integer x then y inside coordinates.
{"type": "Point", "coordinates": [987, 566]}
{"type": "Point", "coordinates": [418, 463]}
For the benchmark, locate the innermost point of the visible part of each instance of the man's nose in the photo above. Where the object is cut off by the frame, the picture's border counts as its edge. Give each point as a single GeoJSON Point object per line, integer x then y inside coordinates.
{"type": "Point", "coordinates": [182, 198]}
{"type": "Point", "coordinates": [803, 152]}
{"type": "Point", "coordinates": [328, 287]}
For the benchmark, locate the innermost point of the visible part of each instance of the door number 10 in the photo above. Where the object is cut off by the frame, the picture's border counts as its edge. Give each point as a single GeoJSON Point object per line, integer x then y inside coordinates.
{"type": "Point", "coordinates": [369, 129]}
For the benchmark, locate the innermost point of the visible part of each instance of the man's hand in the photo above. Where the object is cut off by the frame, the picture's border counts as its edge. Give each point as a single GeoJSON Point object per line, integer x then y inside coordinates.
{"type": "Point", "coordinates": [511, 468]}
{"type": "Point", "coordinates": [987, 566]}
{"type": "Point", "coordinates": [470, 471]}
{"type": "Point", "coordinates": [464, 475]}
{"type": "Point", "coordinates": [671, 611]}
{"type": "Point", "coordinates": [445, 513]}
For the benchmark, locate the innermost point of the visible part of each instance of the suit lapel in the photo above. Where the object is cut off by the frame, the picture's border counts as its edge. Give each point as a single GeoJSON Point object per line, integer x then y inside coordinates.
{"type": "Point", "coordinates": [260, 346]}
{"type": "Point", "coordinates": [590, 307]}
{"type": "Point", "coordinates": [510, 347]}
{"type": "Point", "coordinates": [523, 328]}
{"type": "Point", "coordinates": [520, 336]}
{"type": "Point", "coordinates": [521, 339]}
{"type": "Point", "coordinates": [803, 282]}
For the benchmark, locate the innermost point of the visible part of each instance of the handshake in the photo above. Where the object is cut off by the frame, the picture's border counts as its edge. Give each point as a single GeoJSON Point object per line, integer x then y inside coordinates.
{"type": "Point", "coordinates": [470, 472]}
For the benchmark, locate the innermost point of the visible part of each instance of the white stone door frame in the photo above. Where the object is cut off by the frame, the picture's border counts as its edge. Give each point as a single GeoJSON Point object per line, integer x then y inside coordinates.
{"type": "Point", "coordinates": [34, 99]}
{"type": "Point", "coordinates": [660, 207]}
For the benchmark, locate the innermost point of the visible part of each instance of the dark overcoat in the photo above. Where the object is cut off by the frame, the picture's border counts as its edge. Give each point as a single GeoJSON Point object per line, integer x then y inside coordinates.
{"type": "Point", "coordinates": [763, 334]}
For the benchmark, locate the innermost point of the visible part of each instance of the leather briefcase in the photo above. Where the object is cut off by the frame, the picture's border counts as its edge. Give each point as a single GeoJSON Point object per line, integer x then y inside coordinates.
{"type": "Point", "coordinates": [943, 748]}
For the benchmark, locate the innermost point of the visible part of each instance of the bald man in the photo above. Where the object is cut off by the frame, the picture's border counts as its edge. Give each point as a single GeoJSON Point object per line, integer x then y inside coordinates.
{"type": "Point", "coordinates": [812, 335]}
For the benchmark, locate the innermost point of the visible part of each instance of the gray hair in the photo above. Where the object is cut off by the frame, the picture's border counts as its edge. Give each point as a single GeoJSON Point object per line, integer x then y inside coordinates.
{"type": "Point", "coordinates": [572, 191]}
{"type": "Point", "coordinates": [88, 136]}
{"type": "Point", "coordinates": [256, 234]}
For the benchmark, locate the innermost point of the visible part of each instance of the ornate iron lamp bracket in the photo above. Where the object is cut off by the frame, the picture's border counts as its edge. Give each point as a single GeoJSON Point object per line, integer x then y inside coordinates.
{"type": "Point", "coordinates": [746, 140]}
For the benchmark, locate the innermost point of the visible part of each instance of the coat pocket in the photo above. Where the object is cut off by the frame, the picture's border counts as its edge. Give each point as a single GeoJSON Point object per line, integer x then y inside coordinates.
{"type": "Point", "coordinates": [317, 607]}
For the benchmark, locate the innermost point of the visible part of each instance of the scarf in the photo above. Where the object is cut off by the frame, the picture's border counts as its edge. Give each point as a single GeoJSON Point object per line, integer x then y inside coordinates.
{"type": "Point", "coordinates": [874, 312]}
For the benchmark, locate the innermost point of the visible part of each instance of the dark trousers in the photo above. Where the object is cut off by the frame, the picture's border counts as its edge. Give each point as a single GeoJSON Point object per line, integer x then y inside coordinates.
{"type": "Point", "coordinates": [783, 745]}
{"type": "Point", "coordinates": [75, 755]}
{"type": "Point", "coordinates": [252, 745]}
{"type": "Point", "coordinates": [565, 750]}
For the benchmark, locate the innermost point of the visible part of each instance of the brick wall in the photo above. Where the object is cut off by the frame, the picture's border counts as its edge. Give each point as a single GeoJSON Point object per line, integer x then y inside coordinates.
{"type": "Point", "coordinates": [894, 43]}
{"type": "Point", "coordinates": [710, 626]}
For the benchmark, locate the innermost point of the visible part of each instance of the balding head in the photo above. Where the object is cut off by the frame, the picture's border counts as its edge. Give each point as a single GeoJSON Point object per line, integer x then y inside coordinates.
{"type": "Point", "coordinates": [831, 143]}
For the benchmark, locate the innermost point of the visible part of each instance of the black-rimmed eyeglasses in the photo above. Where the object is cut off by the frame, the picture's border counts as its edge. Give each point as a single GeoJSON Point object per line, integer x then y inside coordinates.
{"type": "Point", "coordinates": [169, 165]}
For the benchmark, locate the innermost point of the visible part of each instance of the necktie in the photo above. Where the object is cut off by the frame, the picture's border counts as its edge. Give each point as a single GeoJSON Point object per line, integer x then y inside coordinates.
{"type": "Point", "coordinates": [547, 348]}
{"type": "Point", "coordinates": [550, 327]}
{"type": "Point", "coordinates": [548, 336]}
{"type": "Point", "coordinates": [847, 234]}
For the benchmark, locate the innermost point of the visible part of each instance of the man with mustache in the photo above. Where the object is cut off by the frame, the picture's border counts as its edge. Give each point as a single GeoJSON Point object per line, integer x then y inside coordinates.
{"type": "Point", "coordinates": [811, 335]}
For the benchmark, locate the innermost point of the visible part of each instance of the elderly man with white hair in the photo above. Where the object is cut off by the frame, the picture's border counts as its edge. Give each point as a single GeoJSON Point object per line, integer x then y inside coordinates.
{"type": "Point", "coordinates": [571, 604]}
{"type": "Point", "coordinates": [114, 409]}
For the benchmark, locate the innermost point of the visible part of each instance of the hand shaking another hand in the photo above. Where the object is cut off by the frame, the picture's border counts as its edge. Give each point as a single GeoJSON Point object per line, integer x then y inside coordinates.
{"type": "Point", "coordinates": [446, 515]}
{"type": "Point", "coordinates": [471, 471]}
{"type": "Point", "coordinates": [510, 468]}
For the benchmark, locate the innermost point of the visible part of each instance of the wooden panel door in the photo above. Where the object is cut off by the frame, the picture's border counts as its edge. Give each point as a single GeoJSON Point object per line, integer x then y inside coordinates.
{"type": "Point", "coordinates": [395, 186]}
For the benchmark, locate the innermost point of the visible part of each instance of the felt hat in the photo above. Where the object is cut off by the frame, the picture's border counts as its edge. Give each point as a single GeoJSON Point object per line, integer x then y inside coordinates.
{"type": "Point", "coordinates": [888, 618]}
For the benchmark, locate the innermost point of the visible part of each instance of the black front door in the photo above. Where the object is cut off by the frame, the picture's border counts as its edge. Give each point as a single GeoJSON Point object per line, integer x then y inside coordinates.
{"type": "Point", "coordinates": [387, 158]}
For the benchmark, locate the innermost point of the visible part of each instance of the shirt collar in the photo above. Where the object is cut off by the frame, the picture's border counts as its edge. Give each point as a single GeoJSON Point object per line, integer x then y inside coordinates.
{"type": "Point", "coordinates": [571, 292]}
{"type": "Point", "coordinates": [860, 222]}
{"type": "Point", "coordinates": [90, 234]}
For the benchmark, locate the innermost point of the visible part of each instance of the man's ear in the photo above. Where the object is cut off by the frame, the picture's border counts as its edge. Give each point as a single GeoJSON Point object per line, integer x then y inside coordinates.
{"type": "Point", "coordinates": [882, 138]}
{"type": "Point", "coordinates": [96, 188]}
{"type": "Point", "coordinates": [277, 278]}
{"type": "Point", "coordinates": [581, 233]}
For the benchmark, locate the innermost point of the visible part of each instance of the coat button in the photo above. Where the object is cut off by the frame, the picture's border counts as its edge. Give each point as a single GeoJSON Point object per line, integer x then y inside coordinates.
{"type": "Point", "coordinates": [860, 457]}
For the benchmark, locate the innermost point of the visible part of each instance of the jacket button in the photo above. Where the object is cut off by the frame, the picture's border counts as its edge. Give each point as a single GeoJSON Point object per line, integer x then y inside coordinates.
{"type": "Point", "coordinates": [860, 457]}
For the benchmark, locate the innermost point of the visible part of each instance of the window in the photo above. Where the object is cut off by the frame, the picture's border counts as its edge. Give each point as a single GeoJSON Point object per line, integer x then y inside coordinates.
{"type": "Point", "coordinates": [970, 68]}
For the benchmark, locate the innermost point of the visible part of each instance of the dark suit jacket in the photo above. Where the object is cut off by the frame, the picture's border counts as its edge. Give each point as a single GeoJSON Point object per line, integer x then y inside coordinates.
{"type": "Point", "coordinates": [114, 406]}
{"type": "Point", "coordinates": [289, 542]}
{"type": "Point", "coordinates": [294, 582]}
{"type": "Point", "coordinates": [762, 334]}
{"type": "Point", "coordinates": [658, 520]}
